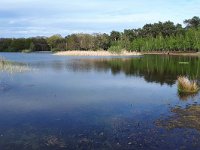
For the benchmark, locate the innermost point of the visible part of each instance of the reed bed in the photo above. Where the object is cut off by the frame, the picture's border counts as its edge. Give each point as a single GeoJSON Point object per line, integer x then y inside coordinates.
{"type": "Point", "coordinates": [187, 86]}
{"type": "Point", "coordinates": [11, 67]}
{"type": "Point", "coordinates": [96, 53]}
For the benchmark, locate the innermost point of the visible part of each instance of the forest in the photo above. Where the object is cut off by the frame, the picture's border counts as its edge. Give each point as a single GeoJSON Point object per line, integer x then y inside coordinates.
{"type": "Point", "coordinates": [161, 36]}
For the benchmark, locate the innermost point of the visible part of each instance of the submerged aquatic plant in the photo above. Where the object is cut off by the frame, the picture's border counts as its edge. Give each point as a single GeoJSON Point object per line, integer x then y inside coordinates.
{"type": "Point", "coordinates": [188, 117]}
{"type": "Point", "coordinates": [54, 141]}
{"type": "Point", "coordinates": [187, 86]}
{"type": "Point", "coordinates": [11, 67]}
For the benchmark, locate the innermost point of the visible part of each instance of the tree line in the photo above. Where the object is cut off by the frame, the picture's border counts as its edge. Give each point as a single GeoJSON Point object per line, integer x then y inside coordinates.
{"type": "Point", "coordinates": [161, 36]}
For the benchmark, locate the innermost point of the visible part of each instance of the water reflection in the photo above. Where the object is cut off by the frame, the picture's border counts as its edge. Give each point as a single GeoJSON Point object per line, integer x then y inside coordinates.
{"type": "Point", "coordinates": [187, 96]}
{"type": "Point", "coordinates": [159, 69]}
{"type": "Point", "coordinates": [153, 68]}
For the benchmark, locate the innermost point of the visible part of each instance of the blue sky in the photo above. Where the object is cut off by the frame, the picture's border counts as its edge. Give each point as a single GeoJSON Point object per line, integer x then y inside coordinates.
{"type": "Point", "coordinates": [27, 18]}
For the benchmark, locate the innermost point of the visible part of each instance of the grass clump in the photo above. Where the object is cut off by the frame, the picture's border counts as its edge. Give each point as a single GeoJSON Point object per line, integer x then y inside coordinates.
{"type": "Point", "coordinates": [187, 86]}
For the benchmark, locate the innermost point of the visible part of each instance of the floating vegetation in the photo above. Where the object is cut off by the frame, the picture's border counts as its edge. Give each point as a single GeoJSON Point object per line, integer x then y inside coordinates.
{"type": "Point", "coordinates": [184, 63]}
{"type": "Point", "coordinates": [11, 67]}
{"type": "Point", "coordinates": [187, 86]}
{"type": "Point", "coordinates": [188, 117]}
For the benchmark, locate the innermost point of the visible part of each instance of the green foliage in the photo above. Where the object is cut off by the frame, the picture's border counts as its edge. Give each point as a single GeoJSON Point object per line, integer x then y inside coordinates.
{"type": "Point", "coordinates": [56, 43]}
{"type": "Point", "coordinates": [18, 45]}
{"type": "Point", "coordinates": [88, 42]}
{"type": "Point", "coordinates": [115, 36]}
{"type": "Point", "coordinates": [193, 23]}
{"type": "Point", "coordinates": [39, 44]}
{"type": "Point", "coordinates": [115, 49]}
{"type": "Point", "coordinates": [102, 41]}
{"type": "Point", "coordinates": [128, 35]}
{"type": "Point", "coordinates": [190, 41]}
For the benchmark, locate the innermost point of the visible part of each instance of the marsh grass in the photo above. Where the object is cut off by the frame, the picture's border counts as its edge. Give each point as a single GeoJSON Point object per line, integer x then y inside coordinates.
{"type": "Point", "coordinates": [187, 86]}
{"type": "Point", "coordinates": [11, 67]}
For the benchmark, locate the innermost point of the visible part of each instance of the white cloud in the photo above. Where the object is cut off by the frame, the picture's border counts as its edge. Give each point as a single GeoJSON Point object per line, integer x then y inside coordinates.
{"type": "Point", "coordinates": [31, 17]}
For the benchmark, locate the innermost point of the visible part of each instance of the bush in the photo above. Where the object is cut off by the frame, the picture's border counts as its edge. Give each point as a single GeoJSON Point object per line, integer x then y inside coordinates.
{"type": "Point", "coordinates": [115, 49]}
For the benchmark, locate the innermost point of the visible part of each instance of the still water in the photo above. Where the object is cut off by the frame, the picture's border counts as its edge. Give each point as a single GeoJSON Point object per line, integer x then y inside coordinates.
{"type": "Point", "coordinates": [67, 103]}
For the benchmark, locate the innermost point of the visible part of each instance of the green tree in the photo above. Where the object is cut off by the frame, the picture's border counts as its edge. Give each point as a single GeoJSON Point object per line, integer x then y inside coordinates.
{"type": "Point", "coordinates": [194, 22]}
{"type": "Point", "coordinates": [56, 42]}
{"type": "Point", "coordinates": [115, 35]}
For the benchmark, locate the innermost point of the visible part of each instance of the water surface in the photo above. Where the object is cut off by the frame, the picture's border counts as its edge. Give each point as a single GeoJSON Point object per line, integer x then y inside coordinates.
{"type": "Point", "coordinates": [96, 103]}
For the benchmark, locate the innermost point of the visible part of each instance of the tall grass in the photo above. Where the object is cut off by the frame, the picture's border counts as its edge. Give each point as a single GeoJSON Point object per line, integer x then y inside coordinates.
{"type": "Point", "coordinates": [187, 86]}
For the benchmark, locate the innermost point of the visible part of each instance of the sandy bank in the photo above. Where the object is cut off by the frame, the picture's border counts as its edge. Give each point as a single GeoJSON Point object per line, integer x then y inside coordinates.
{"type": "Point", "coordinates": [95, 53]}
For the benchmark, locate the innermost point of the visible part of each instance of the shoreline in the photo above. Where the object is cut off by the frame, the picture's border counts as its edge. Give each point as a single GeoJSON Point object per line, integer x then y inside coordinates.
{"type": "Point", "coordinates": [172, 53]}
{"type": "Point", "coordinates": [106, 53]}
{"type": "Point", "coordinates": [95, 53]}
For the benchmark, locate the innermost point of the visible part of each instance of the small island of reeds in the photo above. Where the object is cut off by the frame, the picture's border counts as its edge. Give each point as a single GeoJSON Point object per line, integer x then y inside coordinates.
{"type": "Point", "coordinates": [187, 86]}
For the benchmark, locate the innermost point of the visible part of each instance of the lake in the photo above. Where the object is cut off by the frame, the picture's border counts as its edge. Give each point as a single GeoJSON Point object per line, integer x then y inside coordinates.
{"type": "Point", "coordinates": [67, 102]}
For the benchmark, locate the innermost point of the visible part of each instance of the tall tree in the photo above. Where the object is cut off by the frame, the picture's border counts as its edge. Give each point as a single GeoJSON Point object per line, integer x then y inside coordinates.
{"type": "Point", "coordinates": [115, 35]}
{"type": "Point", "coordinates": [194, 22]}
{"type": "Point", "coordinates": [56, 42]}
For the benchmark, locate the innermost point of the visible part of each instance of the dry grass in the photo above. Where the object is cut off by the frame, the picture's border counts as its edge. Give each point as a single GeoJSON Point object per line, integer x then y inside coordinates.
{"type": "Point", "coordinates": [187, 86]}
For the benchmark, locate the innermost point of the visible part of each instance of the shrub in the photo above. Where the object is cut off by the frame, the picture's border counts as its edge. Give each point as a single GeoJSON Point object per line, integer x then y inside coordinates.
{"type": "Point", "coordinates": [115, 49]}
